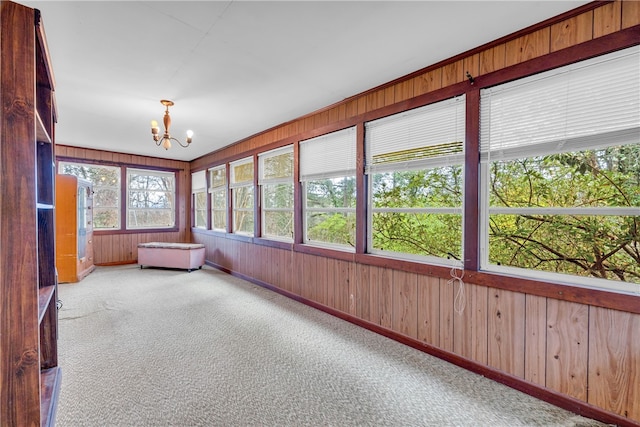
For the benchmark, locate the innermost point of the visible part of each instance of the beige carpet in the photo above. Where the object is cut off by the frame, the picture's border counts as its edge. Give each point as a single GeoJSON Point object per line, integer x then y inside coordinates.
{"type": "Point", "coordinates": [158, 347]}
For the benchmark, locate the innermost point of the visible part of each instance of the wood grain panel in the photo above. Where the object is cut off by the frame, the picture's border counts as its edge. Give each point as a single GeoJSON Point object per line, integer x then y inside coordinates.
{"type": "Point", "coordinates": [363, 293]}
{"type": "Point", "coordinates": [403, 91]}
{"type": "Point", "coordinates": [298, 273]}
{"type": "Point", "coordinates": [405, 303]}
{"type": "Point", "coordinates": [572, 31]}
{"type": "Point", "coordinates": [452, 73]}
{"type": "Point", "coordinates": [286, 275]}
{"type": "Point", "coordinates": [339, 274]}
{"type": "Point", "coordinates": [336, 113]}
{"type": "Point", "coordinates": [351, 108]}
{"type": "Point", "coordinates": [320, 119]}
{"type": "Point", "coordinates": [385, 298]}
{"type": "Point", "coordinates": [362, 104]}
{"type": "Point", "coordinates": [614, 361]}
{"type": "Point", "coordinates": [608, 19]}
{"type": "Point", "coordinates": [321, 283]}
{"type": "Point", "coordinates": [373, 101]}
{"type": "Point", "coordinates": [333, 283]}
{"type": "Point", "coordinates": [19, 342]}
{"type": "Point", "coordinates": [528, 47]}
{"type": "Point", "coordinates": [389, 95]}
{"type": "Point", "coordinates": [427, 82]}
{"type": "Point", "coordinates": [493, 59]}
{"type": "Point", "coordinates": [506, 331]}
{"type": "Point", "coordinates": [429, 309]}
{"type": "Point", "coordinates": [535, 339]}
{"type": "Point", "coordinates": [630, 14]}
{"type": "Point", "coordinates": [447, 297]}
{"type": "Point", "coordinates": [567, 348]}
{"type": "Point", "coordinates": [308, 267]}
{"type": "Point", "coordinates": [353, 284]}
{"type": "Point", "coordinates": [471, 64]}
{"type": "Point", "coordinates": [470, 326]}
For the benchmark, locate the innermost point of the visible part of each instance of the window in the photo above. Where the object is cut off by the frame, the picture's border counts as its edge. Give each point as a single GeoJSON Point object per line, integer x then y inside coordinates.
{"type": "Point", "coordinates": [106, 188]}
{"type": "Point", "coordinates": [218, 190]}
{"type": "Point", "coordinates": [414, 163]}
{"type": "Point", "coordinates": [560, 161]}
{"type": "Point", "coordinates": [327, 173]}
{"type": "Point", "coordinates": [199, 192]}
{"type": "Point", "coordinates": [150, 199]}
{"type": "Point", "coordinates": [276, 185]}
{"type": "Point", "coordinates": [242, 195]}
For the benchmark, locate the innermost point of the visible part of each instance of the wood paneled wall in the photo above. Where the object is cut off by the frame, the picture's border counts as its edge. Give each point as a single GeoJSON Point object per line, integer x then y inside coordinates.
{"type": "Point", "coordinates": [122, 247]}
{"type": "Point", "coordinates": [585, 352]}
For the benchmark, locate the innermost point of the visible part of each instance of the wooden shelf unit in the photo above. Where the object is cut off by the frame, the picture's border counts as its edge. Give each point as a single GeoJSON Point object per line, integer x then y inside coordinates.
{"type": "Point", "coordinates": [29, 373]}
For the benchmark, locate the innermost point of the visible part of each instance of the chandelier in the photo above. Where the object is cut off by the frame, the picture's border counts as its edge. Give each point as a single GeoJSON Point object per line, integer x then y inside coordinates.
{"type": "Point", "coordinates": [165, 140]}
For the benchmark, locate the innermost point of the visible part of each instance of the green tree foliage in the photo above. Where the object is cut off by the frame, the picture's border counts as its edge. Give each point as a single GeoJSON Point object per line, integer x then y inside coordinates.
{"type": "Point", "coordinates": [599, 246]}
{"type": "Point", "coordinates": [278, 210]}
{"type": "Point", "coordinates": [324, 222]}
{"type": "Point", "coordinates": [410, 230]}
{"type": "Point", "coordinates": [584, 244]}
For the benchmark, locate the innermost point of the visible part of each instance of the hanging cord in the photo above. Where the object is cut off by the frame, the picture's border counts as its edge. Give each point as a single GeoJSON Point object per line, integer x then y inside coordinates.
{"type": "Point", "coordinates": [460, 301]}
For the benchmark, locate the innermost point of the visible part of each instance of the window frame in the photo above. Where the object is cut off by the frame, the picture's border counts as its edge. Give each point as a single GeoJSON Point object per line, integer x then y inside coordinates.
{"type": "Point", "coordinates": [172, 198]}
{"type": "Point", "coordinates": [543, 149]}
{"type": "Point", "coordinates": [343, 169]}
{"type": "Point", "coordinates": [416, 124]}
{"type": "Point", "coordinates": [236, 186]}
{"type": "Point", "coordinates": [199, 197]}
{"type": "Point", "coordinates": [215, 188]}
{"type": "Point", "coordinates": [264, 182]}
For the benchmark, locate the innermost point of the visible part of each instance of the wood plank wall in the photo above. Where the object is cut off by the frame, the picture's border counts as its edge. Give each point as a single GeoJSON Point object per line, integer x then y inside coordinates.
{"type": "Point", "coordinates": [122, 247]}
{"type": "Point", "coordinates": [586, 352]}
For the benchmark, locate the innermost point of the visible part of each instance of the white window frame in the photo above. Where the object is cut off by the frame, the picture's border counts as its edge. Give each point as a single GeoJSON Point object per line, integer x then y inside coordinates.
{"type": "Point", "coordinates": [236, 185]}
{"type": "Point", "coordinates": [199, 194]}
{"type": "Point", "coordinates": [172, 197]}
{"type": "Point", "coordinates": [406, 139]}
{"type": "Point", "coordinates": [587, 122]}
{"type": "Point", "coordinates": [218, 188]}
{"type": "Point", "coordinates": [329, 156]}
{"type": "Point", "coordinates": [264, 182]}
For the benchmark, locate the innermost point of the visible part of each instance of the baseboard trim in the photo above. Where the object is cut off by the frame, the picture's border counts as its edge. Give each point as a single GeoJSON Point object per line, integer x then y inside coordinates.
{"type": "Point", "coordinates": [111, 264]}
{"type": "Point", "coordinates": [563, 401]}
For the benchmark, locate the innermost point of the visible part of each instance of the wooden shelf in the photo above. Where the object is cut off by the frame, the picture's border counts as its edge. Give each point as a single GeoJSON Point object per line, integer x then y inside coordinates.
{"type": "Point", "coordinates": [41, 131]}
{"type": "Point", "coordinates": [49, 391]}
{"type": "Point", "coordinates": [44, 297]}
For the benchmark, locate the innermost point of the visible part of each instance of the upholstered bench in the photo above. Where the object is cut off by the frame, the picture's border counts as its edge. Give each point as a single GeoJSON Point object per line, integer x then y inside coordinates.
{"type": "Point", "coordinates": [188, 256]}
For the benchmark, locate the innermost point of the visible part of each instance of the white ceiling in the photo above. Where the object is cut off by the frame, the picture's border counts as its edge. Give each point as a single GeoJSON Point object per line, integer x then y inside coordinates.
{"type": "Point", "coordinates": [235, 68]}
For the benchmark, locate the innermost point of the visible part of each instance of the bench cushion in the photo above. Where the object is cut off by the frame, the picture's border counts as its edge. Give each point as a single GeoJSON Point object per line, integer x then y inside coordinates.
{"type": "Point", "coordinates": [170, 245]}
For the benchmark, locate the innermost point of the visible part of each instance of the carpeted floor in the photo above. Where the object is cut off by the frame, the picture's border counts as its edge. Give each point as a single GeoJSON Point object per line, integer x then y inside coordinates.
{"type": "Point", "coordinates": [158, 347]}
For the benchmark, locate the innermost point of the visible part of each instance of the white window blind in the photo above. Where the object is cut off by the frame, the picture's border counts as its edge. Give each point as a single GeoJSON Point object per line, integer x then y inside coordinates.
{"type": "Point", "coordinates": [428, 136]}
{"type": "Point", "coordinates": [587, 105]}
{"type": "Point", "coordinates": [198, 181]}
{"type": "Point", "coordinates": [241, 172]}
{"type": "Point", "coordinates": [276, 165]}
{"type": "Point", "coordinates": [328, 156]}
